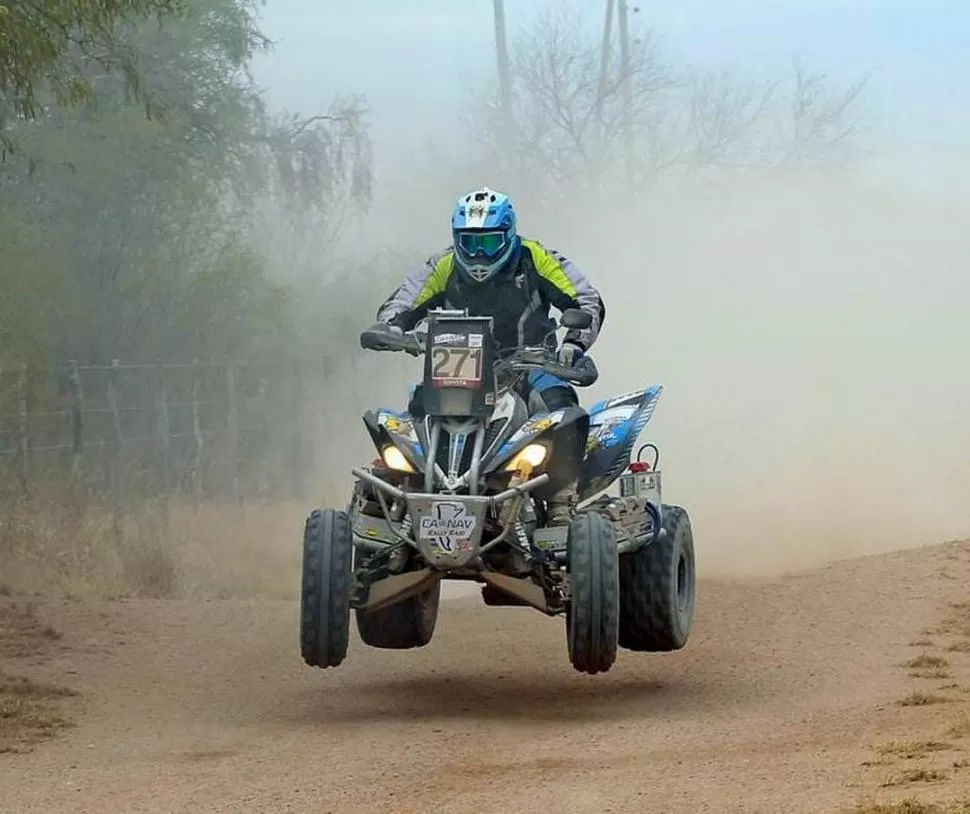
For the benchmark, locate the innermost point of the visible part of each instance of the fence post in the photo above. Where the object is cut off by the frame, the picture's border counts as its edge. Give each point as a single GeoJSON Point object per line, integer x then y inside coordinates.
{"type": "Point", "coordinates": [117, 455]}
{"type": "Point", "coordinates": [264, 482]}
{"type": "Point", "coordinates": [298, 456]}
{"type": "Point", "coordinates": [23, 429]}
{"type": "Point", "coordinates": [163, 433]}
{"type": "Point", "coordinates": [77, 434]}
{"type": "Point", "coordinates": [197, 433]}
{"type": "Point", "coordinates": [232, 433]}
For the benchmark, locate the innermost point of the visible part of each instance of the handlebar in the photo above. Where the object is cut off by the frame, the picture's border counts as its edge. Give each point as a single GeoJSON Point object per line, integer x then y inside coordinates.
{"type": "Point", "coordinates": [582, 374]}
{"type": "Point", "coordinates": [520, 360]}
{"type": "Point", "coordinates": [412, 342]}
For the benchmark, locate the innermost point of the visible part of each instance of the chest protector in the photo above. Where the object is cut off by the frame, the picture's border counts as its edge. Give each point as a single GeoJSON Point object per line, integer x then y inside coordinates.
{"type": "Point", "coordinates": [511, 297]}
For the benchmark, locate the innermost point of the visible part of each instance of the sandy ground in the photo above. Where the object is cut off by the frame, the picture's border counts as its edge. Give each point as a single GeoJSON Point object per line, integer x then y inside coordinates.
{"type": "Point", "coordinates": [778, 704]}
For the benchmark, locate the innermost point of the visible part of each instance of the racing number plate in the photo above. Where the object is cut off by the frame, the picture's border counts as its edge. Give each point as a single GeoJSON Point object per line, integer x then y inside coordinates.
{"type": "Point", "coordinates": [457, 366]}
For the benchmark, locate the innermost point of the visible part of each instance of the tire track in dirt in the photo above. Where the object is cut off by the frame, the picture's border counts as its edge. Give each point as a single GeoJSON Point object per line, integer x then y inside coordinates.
{"type": "Point", "coordinates": [775, 705]}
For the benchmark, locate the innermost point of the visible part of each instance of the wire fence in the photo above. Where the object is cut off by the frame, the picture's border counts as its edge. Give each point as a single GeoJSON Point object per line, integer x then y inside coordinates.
{"type": "Point", "coordinates": [125, 432]}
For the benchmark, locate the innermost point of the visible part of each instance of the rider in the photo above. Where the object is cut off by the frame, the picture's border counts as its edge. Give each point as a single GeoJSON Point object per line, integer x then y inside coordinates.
{"type": "Point", "coordinates": [492, 271]}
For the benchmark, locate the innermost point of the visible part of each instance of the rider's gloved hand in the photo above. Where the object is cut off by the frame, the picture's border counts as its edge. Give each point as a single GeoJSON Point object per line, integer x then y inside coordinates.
{"type": "Point", "coordinates": [569, 353]}
{"type": "Point", "coordinates": [386, 328]}
{"type": "Point", "coordinates": [376, 330]}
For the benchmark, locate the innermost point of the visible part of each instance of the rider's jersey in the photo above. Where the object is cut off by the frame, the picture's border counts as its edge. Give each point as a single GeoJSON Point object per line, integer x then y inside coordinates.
{"type": "Point", "coordinates": [518, 298]}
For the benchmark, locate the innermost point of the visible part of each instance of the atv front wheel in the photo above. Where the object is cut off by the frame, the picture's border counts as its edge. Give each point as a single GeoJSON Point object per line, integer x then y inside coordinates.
{"type": "Point", "coordinates": [657, 586]}
{"type": "Point", "coordinates": [325, 588]}
{"type": "Point", "coordinates": [406, 624]}
{"type": "Point", "coordinates": [592, 616]}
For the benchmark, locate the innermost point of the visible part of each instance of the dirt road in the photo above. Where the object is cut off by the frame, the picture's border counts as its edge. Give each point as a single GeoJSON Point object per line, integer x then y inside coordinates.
{"type": "Point", "coordinates": [776, 705]}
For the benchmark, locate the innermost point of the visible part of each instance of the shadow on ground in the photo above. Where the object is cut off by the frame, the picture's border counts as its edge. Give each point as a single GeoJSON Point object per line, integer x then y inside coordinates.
{"type": "Point", "coordinates": [539, 697]}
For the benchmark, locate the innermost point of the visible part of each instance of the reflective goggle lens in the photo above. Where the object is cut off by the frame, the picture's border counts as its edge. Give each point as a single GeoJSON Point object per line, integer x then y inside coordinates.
{"type": "Point", "coordinates": [487, 243]}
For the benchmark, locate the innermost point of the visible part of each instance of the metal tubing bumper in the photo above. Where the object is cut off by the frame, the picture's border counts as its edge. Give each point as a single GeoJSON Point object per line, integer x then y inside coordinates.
{"type": "Point", "coordinates": [400, 494]}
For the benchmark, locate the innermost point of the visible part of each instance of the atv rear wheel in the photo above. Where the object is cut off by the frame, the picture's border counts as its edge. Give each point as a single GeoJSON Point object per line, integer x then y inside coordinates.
{"type": "Point", "coordinates": [325, 588]}
{"type": "Point", "coordinates": [657, 589]}
{"type": "Point", "coordinates": [406, 624]}
{"type": "Point", "coordinates": [592, 615]}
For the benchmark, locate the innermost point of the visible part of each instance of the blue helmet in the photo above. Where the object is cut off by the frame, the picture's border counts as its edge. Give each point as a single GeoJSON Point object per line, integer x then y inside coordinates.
{"type": "Point", "coordinates": [483, 230]}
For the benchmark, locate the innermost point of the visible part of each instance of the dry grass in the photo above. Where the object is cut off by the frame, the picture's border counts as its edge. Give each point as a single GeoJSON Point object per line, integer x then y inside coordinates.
{"type": "Point", "coordinates": [963, 646]}
{"type": "Point", "coordinates": [926, 661]}
{"type": "Point", "coordinates": [960, 728]}
{"type": "Point", "coordinates": [908, 776]}
{"type": "Point", "coordinates": [216, 550]}
{"type": "Point", "coordinates": [910, 750]}
{"type": "Point", "coordinates": [933, 674]}
{"type": "Point", "coordinates": [911, 806]}
{"type": "Point", "coordinates": [957, 623]}
{"type": "Point", "coordinates": [922, 699]}
{"type": "Point", "coordinates": [28, 713]}
{"type": "Point", "coordinates": [22, 633]}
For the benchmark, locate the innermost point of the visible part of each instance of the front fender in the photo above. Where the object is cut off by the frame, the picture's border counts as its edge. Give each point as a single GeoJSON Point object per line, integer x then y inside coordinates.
{"type": "Point", "coordinates": [566, 430]}
{"type": "Point", "coordinates": [390, 427]}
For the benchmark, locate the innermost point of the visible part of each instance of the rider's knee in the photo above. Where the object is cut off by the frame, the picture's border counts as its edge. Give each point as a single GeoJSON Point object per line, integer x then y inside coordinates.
{"type": "Point", "coordinates": [558, 398]}
{"type": "Point", "coordinates": [416, 401]}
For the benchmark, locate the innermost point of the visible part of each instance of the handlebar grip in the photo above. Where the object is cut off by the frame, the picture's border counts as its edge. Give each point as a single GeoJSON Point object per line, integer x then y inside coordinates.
{"type": "Point", "coordinates": [380, 340]}
{"type": "Point", "coordinates": [583, 374]}
{"type": "Point", "coordinates": [587, 372]}
{"type": "Point", "coordinates": [377, 340]}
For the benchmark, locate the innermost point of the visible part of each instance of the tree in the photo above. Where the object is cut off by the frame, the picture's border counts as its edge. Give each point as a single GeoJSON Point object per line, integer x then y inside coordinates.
{"type": "Point", "coordinates": [48, 46]}
{"type": "Point", "coordinates": [569, 119]}
{"type": "Point", "coordinates": [151, 220]}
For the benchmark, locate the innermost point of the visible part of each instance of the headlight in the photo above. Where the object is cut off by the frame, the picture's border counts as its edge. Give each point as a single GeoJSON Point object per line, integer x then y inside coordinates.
{"type": "Point", "coordinates": [531, 456]}
{"type": "Point", "coordinates": [395, 459]}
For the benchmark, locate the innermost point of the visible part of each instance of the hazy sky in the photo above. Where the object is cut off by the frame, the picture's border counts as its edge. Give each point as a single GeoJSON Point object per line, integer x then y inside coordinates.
{"type": "Point", "coordinates": [411, 57]}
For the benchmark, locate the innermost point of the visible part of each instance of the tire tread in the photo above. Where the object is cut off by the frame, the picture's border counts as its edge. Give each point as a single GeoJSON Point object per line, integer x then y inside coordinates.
{"type": "Point", "coordinates": [593, 618]}
{"type": "Point", "coordinates": [649, 618]}
{"type": "Point", "coordinates": [325, 588]}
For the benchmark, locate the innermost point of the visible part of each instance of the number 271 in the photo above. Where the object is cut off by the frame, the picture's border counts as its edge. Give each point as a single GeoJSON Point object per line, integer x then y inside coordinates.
{"type": "Point", "coordinates": [449, 362]}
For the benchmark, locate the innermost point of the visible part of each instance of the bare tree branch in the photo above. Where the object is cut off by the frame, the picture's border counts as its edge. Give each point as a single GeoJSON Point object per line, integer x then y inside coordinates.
{"type": "Point", "coordinates": [569, 117]}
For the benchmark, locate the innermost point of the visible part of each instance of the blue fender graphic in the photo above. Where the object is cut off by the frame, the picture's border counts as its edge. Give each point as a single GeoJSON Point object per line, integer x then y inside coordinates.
{"type": "Point", "coordinates": [615, 425]}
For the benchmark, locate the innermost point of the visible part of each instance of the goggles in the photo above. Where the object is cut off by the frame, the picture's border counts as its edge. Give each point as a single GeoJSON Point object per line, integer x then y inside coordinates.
{"type": "Point", "coordinates": [487, 244]}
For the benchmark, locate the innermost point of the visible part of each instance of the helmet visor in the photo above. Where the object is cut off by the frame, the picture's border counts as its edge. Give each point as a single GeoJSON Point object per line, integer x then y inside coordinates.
{"type": "Point", "coordinates": [485, 244]}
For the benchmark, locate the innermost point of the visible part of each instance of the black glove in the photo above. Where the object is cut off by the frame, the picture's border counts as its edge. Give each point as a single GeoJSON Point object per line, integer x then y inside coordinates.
{"type": "Point", "coordinates": [570, 353]}
{"type": "Point", "coordinates": [371, 339]}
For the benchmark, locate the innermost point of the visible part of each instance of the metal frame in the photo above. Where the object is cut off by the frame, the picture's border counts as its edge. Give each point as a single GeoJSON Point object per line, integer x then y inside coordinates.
{"type": "Point", "coordinates": [636, 514]}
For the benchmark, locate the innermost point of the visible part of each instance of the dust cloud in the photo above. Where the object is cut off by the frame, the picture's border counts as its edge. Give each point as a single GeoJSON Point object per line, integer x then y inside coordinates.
{"type": "Point", "coordinates": [812, 341]}
{"type": "Point", "coordinates": [811, 337]}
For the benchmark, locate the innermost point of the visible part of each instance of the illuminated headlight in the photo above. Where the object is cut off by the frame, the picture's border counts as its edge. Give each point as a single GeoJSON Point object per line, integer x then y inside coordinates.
{"type": "Point", "coordinates": [532, 456]}
{"type": "Point", "coordinates": [395, 459]}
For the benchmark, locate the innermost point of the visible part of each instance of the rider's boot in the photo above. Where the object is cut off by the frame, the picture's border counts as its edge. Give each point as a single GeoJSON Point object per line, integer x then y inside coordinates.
{"type": "Point", "coordinates": [560, 506]}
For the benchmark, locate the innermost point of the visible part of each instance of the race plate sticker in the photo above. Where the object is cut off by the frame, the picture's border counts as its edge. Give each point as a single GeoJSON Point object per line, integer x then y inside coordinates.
{"type": "Point", "coordinates": [448, 526]}
{"type": "Point", "coordinates": [456, 366]}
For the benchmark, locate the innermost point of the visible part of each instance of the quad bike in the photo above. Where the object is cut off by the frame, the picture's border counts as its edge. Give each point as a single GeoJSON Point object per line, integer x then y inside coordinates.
{"type": "Point", "coordinates": [459, 492]}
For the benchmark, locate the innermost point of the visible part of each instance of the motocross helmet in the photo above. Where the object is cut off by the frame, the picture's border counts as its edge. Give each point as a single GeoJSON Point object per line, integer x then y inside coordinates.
{"type": "Point", "coordinates": [483, 229]}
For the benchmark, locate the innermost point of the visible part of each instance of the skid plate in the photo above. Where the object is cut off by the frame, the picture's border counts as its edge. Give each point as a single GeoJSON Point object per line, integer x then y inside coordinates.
{"type": "Point", "coordinates": [448, 528]}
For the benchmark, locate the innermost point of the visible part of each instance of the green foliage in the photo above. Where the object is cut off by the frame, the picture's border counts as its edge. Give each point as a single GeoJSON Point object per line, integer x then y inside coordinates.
{"type": "Point", "coordinates": [131, 235]}
{"type": "Point", "coordinates": [46, 45]}
{"type": "Point", "coordinates": [29, 302]}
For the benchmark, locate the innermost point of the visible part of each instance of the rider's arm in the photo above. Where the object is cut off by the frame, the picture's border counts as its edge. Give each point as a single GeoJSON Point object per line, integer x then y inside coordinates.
{"type": "Point", "coordinates": [565, 286]}
{"type": "Point", "coordinates": [422, 290]}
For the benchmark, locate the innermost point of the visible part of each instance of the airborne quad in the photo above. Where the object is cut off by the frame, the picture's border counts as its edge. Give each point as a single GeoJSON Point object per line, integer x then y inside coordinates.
{"type": "Point", "coordinates": [459, 493]}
